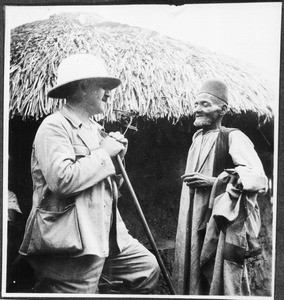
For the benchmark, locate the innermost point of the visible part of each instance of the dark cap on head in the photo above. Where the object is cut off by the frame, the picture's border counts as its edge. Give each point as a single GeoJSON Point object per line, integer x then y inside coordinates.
{"type": "Point", "coordinates": [216, 88]}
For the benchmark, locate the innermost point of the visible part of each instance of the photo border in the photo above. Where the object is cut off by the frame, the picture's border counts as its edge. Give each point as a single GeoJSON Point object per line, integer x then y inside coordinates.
{"type": "Point", "coordinates": [278, 242]}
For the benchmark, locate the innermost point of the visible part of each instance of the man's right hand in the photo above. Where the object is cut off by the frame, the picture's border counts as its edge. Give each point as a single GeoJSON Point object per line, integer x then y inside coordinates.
{"type": "Point", "coordinates": [112, 146]}
{"type": "Point", "coordinates": [196, 180]}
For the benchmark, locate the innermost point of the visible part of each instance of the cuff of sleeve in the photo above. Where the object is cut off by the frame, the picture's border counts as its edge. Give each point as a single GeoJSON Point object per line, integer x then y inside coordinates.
{"type": "Point", "coordinates": [105, 160]}
{"type": "Point", "coordinates": [251, 181]}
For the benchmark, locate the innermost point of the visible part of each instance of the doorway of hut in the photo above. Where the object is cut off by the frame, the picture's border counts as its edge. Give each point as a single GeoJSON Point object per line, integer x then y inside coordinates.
{"type": "Point", "coordinates": [155, 161]}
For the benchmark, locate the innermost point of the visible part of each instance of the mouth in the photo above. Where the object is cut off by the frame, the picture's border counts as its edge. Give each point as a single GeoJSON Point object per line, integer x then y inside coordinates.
{"type": "Point", "coordinates": [199, 116]}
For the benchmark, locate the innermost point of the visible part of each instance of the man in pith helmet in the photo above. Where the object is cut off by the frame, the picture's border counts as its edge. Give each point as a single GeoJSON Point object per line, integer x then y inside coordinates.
{"type": "Point", "coordinates": [219, 217]}
{"type": "Point", "coordinates": [74, 232]}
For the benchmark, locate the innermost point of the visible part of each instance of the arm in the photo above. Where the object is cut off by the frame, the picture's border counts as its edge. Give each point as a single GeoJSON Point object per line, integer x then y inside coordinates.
{"type": "Point", "coordinates": [248, 164]}
{"type": "Point", "coordinates": [57, 159]}
{"type": "Point", "coordinates": [195, 180]}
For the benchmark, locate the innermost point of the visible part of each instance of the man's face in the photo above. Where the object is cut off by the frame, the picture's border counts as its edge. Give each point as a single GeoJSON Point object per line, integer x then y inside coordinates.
{"type": "Point", "coordinates": [206, 111]}
{"type": "Point", "coordinates": [96, 99]}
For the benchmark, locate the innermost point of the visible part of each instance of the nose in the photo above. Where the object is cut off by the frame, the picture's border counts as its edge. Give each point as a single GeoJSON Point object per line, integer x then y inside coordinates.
{"type": "Point", "coordinates": [197, 108]}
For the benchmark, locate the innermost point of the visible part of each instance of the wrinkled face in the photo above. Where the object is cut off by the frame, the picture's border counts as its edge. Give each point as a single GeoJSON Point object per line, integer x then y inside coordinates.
{"type": "Point", "coordinates": [95, 99]}
{"type": "Point", "coordinates": [206, 111]}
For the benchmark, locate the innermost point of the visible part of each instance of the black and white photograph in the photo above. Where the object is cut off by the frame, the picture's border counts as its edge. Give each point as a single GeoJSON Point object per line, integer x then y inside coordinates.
{"type": "Point", "coordinates": [140, 150]}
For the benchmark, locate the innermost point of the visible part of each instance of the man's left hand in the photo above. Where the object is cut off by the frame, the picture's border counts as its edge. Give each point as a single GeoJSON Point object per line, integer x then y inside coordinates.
{"type": "Point", "coordinates": [195, 180]}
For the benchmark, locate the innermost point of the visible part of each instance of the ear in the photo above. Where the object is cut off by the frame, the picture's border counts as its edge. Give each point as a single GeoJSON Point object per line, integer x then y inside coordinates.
{"type": "Point", "coordinates": [224, 109]}
{"type": "Point", "coordinates": [82, 87]}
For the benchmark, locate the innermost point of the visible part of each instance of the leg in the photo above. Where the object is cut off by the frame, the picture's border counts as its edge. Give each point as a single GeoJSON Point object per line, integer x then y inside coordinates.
{"type": "Point", "coordinates": [135, 266]}
{"type": "Point", "coordinates": [66, 274]}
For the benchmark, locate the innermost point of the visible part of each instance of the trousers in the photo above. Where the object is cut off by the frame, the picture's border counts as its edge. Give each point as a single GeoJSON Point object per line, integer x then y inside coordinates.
{"type": "Point", "coordinates": [134, 266]}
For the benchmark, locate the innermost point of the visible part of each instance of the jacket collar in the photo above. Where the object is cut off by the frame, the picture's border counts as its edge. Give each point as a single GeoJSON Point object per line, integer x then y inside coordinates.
{"type": "Point", "coordinates": [71, 116]}
{"type": "Point", "coordinates": [83, 132]}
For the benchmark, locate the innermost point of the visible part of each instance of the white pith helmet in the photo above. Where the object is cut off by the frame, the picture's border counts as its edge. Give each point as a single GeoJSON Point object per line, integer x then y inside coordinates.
{"type": "Point", "coordinates": [81, 67]}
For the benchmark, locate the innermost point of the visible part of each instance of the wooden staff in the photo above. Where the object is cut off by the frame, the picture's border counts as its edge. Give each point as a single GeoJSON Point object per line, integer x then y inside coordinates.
{"type": "Point", "coordinates": [187, 259]}
{"type": "Point", "coordinates": [145, 225]}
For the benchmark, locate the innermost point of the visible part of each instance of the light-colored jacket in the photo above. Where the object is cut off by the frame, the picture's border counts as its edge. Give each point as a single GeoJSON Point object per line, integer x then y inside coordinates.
{"type": "Point", "coordinates": [67, 165]}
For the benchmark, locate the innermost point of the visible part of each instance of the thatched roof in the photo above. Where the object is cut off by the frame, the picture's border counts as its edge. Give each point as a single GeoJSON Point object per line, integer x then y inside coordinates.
{"type": "Point", "coordinates": [159, 75]}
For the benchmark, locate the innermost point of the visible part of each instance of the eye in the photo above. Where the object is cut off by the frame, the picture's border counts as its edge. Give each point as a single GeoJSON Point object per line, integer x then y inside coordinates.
{"type": "Point", "coordinates": [206, 104]}
{"type": "Point", "coordinates": [107, 93]}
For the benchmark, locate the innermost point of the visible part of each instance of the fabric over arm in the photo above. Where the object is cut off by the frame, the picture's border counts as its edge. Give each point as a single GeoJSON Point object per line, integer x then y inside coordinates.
{"type": "Point", "coordinates": [248, 164]}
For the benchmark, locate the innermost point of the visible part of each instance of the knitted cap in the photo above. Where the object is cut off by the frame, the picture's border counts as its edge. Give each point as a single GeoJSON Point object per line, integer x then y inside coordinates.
{"type": "Point", "coordinates": [216, 88]}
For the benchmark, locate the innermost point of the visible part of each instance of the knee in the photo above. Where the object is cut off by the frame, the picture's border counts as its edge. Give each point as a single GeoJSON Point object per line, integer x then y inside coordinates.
{"type": "Point", "coordinates": [154, 268]}
{"type": "Point", "coordinates": [152, 274]}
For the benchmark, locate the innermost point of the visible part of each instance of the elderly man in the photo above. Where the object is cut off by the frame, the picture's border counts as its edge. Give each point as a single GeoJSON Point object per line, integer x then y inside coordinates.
{"type": "Point", "coordinates": [74, 232]}
{"type": "Point", "coordinates": [219, 217]}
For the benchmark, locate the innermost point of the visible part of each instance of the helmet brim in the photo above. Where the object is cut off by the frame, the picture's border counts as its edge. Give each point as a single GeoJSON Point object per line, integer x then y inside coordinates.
{"type": "Point", "coordinates": [61, 90]}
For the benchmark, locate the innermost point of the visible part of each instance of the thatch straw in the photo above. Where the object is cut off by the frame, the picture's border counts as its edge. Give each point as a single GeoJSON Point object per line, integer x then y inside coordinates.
{"type": "Point", "coordinates": [159, 75]}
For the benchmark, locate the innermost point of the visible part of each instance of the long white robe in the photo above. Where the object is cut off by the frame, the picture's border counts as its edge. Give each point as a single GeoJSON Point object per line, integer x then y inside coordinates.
{"type": "Point", "coordinates": [200, 159]}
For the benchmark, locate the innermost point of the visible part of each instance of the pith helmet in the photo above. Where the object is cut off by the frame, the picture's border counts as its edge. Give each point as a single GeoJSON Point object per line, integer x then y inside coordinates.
{"type": "Point", "coordinates": [216, 88]}
{"type": "Point", "coordinates": [81, 67]}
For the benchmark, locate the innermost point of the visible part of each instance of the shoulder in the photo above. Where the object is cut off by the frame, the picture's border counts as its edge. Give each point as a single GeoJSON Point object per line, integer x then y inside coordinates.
{"type": "Point", "coordinates": [56, 117]}
{"type": "Point", "coordinates": [237, 136]}
{"type": "Point", "coordinates": [54, 120]}
{"type": "Point", "coordinates": [228, 130]}
{"type": "Point", "coordinates": [53, 124]}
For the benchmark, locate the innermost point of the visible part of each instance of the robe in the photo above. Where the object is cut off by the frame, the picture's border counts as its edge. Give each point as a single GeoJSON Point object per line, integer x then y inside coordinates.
{"type": "Point", "coordinates": [201, 158]}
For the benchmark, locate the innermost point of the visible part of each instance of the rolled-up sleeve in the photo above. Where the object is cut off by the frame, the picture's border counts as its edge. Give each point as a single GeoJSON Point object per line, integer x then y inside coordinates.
{"type": "Point", "coordinates": [64, 173]}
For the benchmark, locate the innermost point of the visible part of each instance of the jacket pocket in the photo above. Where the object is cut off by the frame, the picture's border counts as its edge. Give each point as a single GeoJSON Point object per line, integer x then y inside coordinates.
{"type": "Point", "coordinates": [55, 233]}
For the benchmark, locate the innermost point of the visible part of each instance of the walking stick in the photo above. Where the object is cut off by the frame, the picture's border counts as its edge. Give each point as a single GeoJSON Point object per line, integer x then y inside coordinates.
{"type": "Point", "coordinates": [187, 259]}
{"type": "Point", "coordinates": [145, 225]}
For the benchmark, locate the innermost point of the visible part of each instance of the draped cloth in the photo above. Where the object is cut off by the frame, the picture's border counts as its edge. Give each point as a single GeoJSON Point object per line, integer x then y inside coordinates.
{"type": "Point", "coordinates": [208, 237]}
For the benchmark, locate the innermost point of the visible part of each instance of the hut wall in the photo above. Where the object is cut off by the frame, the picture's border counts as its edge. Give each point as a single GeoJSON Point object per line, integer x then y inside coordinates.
{"type": "Point", "coordinates": [155, 161]}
